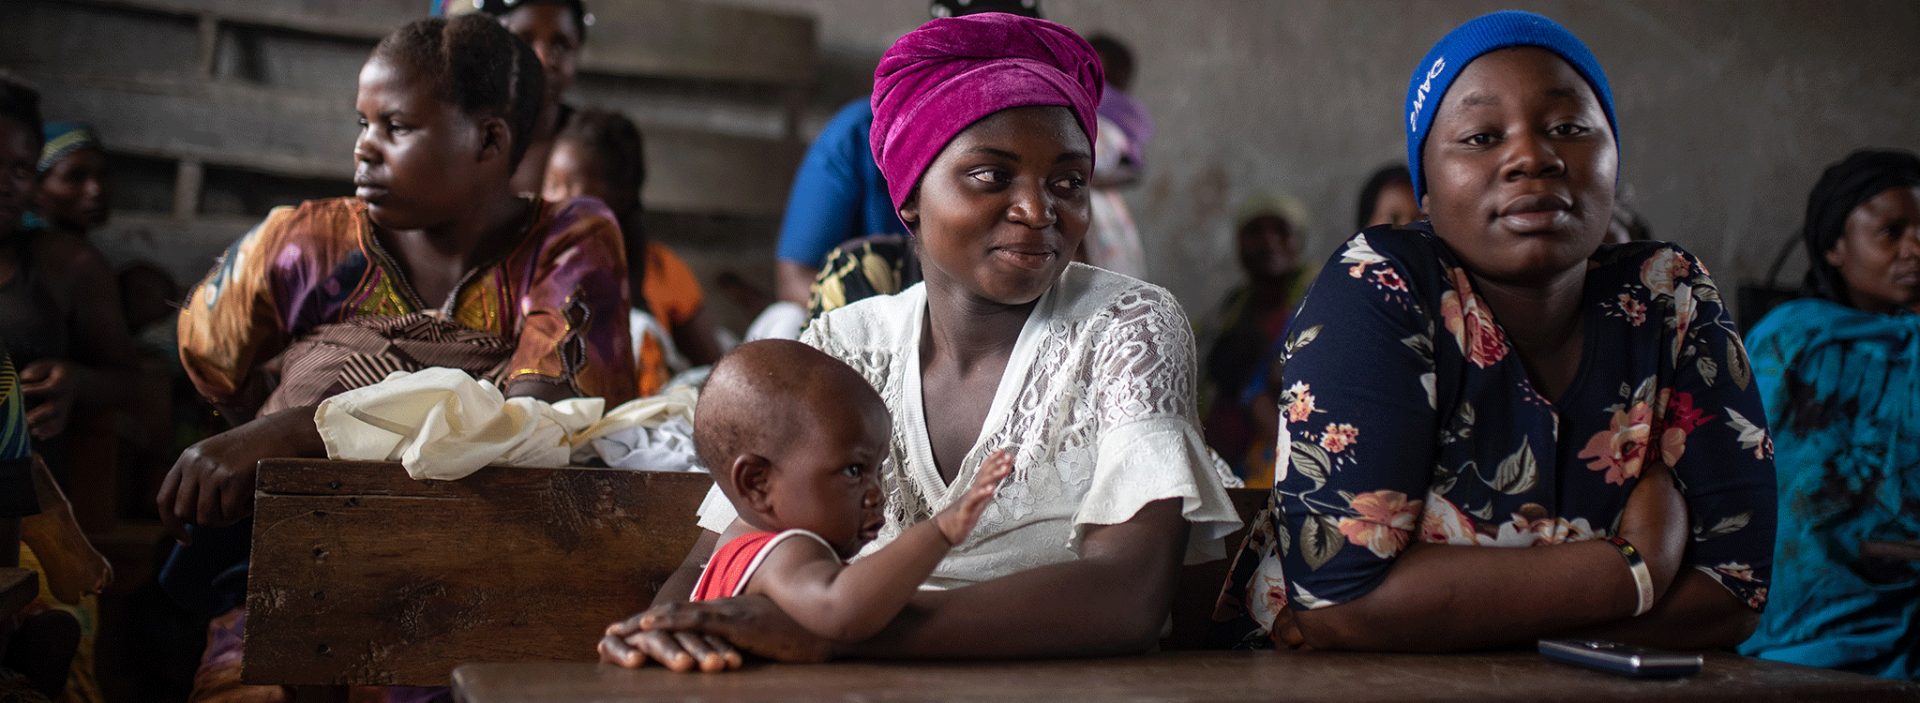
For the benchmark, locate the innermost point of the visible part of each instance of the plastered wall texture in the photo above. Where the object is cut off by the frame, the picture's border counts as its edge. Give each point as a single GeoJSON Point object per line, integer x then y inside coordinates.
{"type": "Point", "coordinates": [1728, 109]}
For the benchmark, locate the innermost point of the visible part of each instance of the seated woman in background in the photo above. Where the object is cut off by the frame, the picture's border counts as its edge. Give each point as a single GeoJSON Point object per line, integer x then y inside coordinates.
{"type": "Point", "coordinates": [1252, 319]}
{"type": "Point", "coordinates": [1497, 430]}
{"type": "Point", "coordinates": [882, 264]}
{"type": "Point", "coordinates": [983, 126]}
{"type": "Point", "coordinates": [75, 191]}
{"type": "Point", "coordinates": [434, 263]}
{"type": "Point", "coordinates": [36, 649]}
{"type": "Point", "coordinates": [601, 154]}
{"type": "Point", "coordinates": [73, 198]}
{"type": "Point", "coordinates": [59, 305]}
{"type": "Point", "coordinates": [1840, 374]}
{"type": "Point", "coordinates": [1387, 199]}
{"type": "Point", "coordinates": [555, 30]}
{"type": "Point", "coordinates": [49, 643]}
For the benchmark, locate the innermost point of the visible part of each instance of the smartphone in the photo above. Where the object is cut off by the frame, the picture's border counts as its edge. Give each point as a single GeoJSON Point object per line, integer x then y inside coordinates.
{"type": "Point", "coordinates": [1623, 659]}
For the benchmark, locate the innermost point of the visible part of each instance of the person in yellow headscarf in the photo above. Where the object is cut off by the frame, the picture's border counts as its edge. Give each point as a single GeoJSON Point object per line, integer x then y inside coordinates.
{"type": "Point", "coordinates": [1268, 230]}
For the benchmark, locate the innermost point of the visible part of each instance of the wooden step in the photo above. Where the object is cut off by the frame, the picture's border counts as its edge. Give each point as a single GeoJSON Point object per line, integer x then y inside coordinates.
{"type": "Point", "coordinates": [290, 135]}
{"type": "Point", "coordinates": [700, 41]}
{"type": "Point", "coordinates": [367, 20]}
{"type": "Point", "coordinates": [637, 38]}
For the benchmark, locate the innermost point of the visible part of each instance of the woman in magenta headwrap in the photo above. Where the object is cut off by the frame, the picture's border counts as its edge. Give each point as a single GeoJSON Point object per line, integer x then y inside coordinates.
{"type": "Point", "coordinates": [983, 127]}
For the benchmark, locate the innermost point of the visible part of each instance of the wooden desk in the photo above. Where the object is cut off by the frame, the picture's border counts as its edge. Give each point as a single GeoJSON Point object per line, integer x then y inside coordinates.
{"type": "Point", "coordinates": [361, 575]}
{"type": "Point", "coordinates": [18, 587]}
{"type": "Point", "coordinates": [1180, 676]}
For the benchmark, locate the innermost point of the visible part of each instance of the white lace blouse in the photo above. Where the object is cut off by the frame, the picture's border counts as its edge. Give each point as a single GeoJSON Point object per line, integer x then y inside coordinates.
{"type": "Point", "coordinates": [1097, 401]}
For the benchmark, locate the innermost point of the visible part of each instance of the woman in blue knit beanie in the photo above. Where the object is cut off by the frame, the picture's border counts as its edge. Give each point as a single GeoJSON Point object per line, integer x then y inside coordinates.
{"type": "Point", "coordinates": [1494, 429]}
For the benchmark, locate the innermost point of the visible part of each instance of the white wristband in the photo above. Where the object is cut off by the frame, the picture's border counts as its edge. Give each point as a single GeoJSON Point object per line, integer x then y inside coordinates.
{"type": "Point", "coordinates": [1642, 578]}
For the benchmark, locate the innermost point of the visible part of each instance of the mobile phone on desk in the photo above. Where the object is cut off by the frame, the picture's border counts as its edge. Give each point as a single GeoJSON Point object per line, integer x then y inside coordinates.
{"type": "Point", "coordinates": [1623, 659]}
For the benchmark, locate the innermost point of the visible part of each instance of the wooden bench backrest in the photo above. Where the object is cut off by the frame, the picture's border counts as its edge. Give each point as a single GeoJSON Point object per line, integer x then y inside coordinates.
{"type": "Point", "coordinates": [361, 575]}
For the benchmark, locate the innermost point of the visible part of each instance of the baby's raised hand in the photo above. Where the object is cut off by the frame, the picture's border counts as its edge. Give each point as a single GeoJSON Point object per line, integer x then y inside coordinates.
{"type": "Point", "coordinates": [957, 521]}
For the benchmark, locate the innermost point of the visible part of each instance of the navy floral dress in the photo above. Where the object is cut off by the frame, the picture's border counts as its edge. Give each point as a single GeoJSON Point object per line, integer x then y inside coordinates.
{"type": "Point", "coordinates": [1407, 416]}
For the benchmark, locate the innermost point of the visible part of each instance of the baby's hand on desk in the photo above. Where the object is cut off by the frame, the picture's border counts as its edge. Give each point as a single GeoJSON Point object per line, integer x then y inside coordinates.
{"type": "Point", "coordinates": [957, 521]}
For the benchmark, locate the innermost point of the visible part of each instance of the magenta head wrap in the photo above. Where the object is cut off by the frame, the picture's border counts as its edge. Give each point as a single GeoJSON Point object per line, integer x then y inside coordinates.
{"type": "Point", "coordinates": [951, 72]}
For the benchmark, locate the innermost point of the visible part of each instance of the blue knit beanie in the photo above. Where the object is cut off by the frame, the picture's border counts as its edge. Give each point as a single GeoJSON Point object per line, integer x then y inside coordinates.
{"type": "Point", "coordinates": [1482, 36]}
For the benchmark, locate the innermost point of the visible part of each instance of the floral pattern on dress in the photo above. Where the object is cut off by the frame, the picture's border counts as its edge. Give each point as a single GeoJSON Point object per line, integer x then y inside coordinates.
{"type": "Point", "coordinates": [1471, 323]}
{"type": "Point", "coordinates": [1391, 434]}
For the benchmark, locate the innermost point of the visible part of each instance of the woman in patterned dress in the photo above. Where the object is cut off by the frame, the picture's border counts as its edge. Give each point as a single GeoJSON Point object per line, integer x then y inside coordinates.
{"type": "Point", "coordinates": [1495, 429]}
{"type": "Point", "coordinates": [435, 262]}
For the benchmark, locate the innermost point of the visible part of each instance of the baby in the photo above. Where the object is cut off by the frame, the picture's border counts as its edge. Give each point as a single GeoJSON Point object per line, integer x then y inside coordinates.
{"type": "Point", "coordinates": [796, 439]}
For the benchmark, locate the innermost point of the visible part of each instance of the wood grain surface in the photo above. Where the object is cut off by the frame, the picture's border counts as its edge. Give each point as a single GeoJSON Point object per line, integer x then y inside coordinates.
{"type": "Point", "coordinates": [361, 575]}
{"type": "Point", "coordinates": [1180, 676]}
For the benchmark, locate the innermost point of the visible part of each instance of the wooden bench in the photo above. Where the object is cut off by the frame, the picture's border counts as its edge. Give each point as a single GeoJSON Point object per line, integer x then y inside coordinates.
{"type": "Point", "coordinates": [669, 39]}
{"type": "Point", "coordinates": [1180, 676]}
{"type": "Point", "coordinates": [361, 575]}
{"type": "Point", "coordinates": [275, 132]}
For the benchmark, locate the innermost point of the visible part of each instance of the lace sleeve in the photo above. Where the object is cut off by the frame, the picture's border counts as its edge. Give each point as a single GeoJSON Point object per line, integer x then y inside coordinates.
{"type": "Point", "coordinates": [1145, 364]}
{"type": "Point", "coordinates": [1148, 446]}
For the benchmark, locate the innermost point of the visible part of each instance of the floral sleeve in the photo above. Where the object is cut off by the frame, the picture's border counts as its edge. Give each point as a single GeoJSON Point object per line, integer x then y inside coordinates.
{"type": "Point", "coordinates": [1356, 444]}
{"type": "Point", "coordinates": [575, 329]}
{"type": "Point", "coordinates": [233, 321]}
{"type": "Point", "coordinates": [1712, 429]}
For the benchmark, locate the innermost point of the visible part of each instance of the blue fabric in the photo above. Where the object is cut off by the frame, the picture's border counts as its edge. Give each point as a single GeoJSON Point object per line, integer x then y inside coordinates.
{"type": "Point", "coordinates": [209, 575]}
{"type": "Point", "coordinates": [838, 193]}
{"type": "Point", "coordinates": [14, 442]}
{"type": "Point", "coordinates": [16, 449]}
{"type": "Point", "coordinates": [1842, 390]}
{"type": "Point", "coordinates": [1479, 37]}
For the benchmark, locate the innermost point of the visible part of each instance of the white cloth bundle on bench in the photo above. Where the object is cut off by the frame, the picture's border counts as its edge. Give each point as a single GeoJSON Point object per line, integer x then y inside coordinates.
{"type": "Point", "coordinates": [443, 424]}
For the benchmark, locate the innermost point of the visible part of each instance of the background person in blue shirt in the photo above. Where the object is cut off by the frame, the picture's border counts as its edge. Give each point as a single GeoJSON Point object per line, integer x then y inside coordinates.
{"type": "Point", "coordinates": [837, 195]}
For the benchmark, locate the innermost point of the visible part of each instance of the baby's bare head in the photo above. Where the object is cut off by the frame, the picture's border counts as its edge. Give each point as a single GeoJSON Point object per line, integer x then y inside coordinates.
{"type": "Point", "coordinates": [784, 404]}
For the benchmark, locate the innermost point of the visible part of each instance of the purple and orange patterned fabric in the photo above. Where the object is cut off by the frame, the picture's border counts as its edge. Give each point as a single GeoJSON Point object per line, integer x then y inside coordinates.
{"type": "Point", "coordinates": [558, 297]}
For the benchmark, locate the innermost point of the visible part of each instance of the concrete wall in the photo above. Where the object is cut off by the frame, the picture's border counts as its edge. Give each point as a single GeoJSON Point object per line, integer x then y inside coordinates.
{"type": "Point", "coordinates": [1728, 109]}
